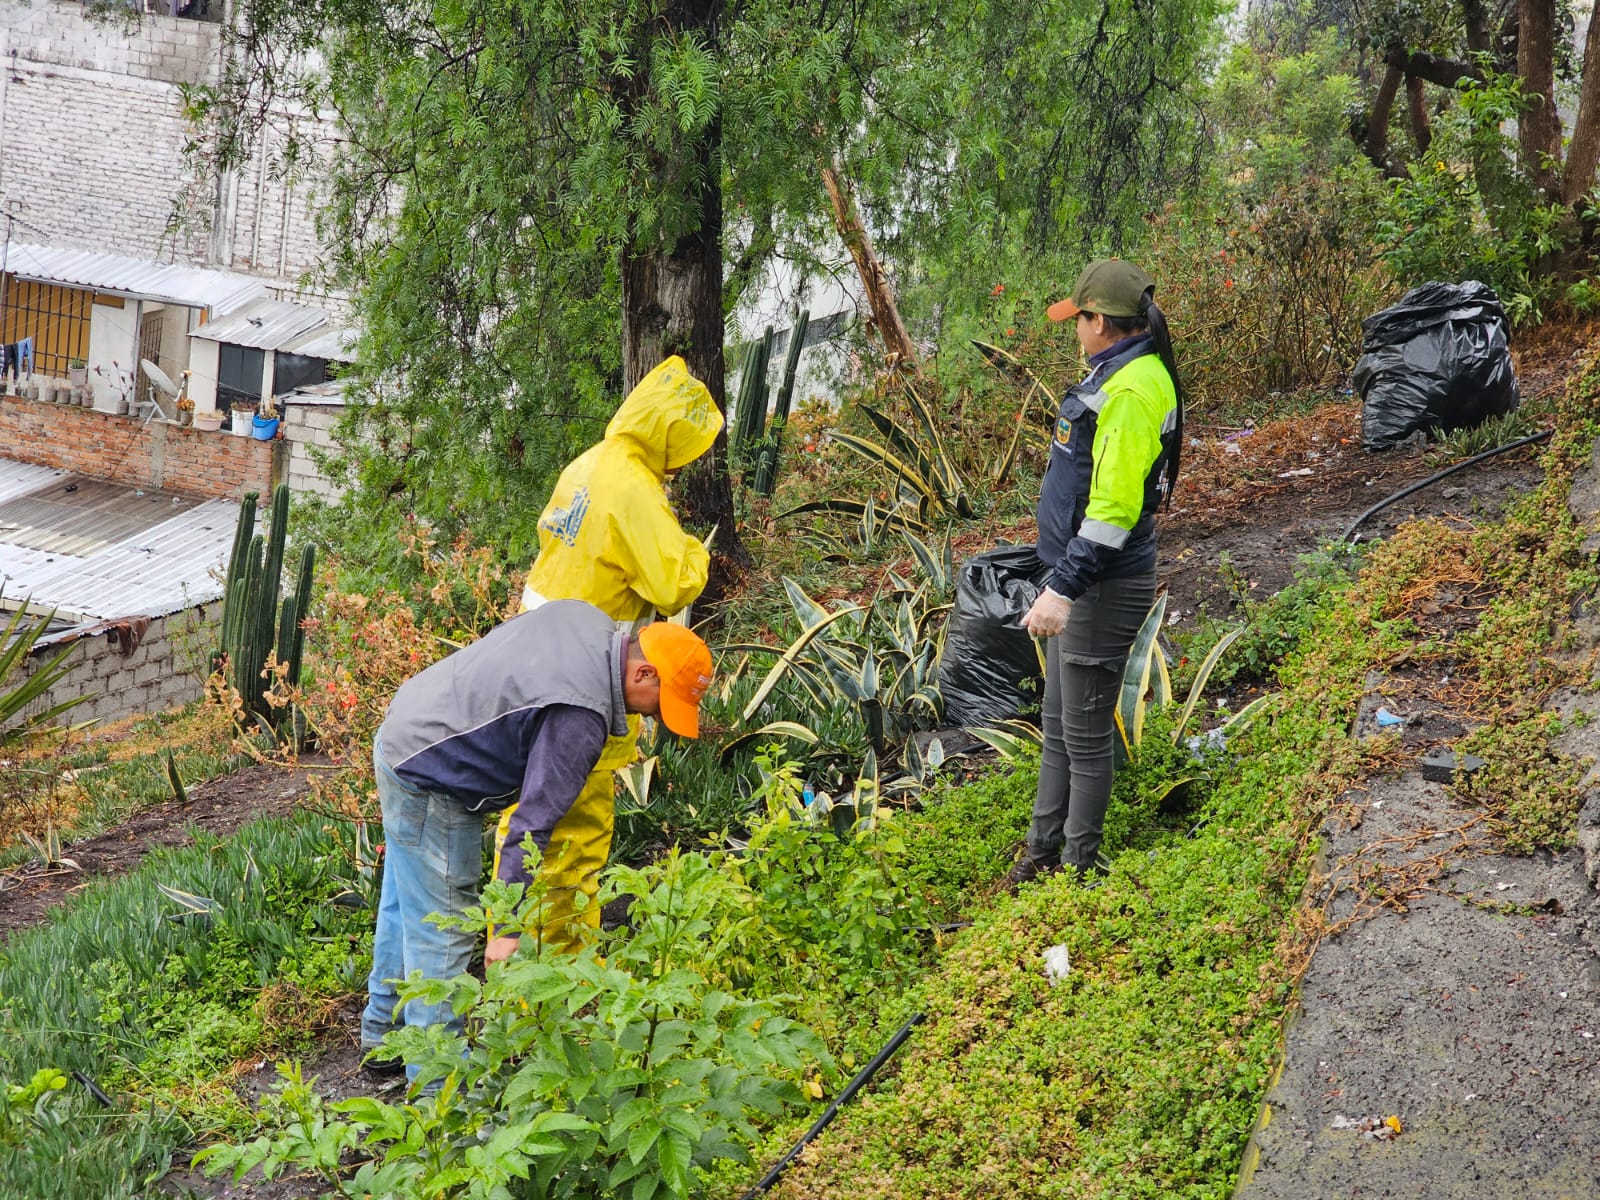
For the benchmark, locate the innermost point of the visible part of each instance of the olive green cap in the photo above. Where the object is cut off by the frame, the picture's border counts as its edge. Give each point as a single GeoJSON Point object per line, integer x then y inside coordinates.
{"type": "Point", "coordinates": [1107, 285]}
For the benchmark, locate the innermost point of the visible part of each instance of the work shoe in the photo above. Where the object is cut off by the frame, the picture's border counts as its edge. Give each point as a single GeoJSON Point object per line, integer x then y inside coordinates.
{"type": "Point", "coordinates": [376, 1061]}
{"type": "Point", "coordinates": [1028, 869]}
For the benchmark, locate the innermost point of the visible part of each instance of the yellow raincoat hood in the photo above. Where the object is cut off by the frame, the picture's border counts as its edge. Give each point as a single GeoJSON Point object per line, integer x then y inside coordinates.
{"type": "Point", "coordinates": [608, 535]}
{"type": "Point", "coordinates": [668, 418]}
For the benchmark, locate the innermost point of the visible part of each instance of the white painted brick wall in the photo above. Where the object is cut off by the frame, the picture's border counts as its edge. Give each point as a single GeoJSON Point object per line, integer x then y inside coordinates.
{"type": "Point", "coordinates": [92, 132]}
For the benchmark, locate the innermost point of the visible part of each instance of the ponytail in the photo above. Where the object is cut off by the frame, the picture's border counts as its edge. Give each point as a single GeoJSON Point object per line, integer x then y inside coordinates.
{"type": "Point", "coordinates": [1161, 339]}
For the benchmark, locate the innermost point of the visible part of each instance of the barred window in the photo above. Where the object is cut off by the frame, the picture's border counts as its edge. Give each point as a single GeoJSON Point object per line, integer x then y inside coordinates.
{"type": "Point", "coordinates": [56, 318]}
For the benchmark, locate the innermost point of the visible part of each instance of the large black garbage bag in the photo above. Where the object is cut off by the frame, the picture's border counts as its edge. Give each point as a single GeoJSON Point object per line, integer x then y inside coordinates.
{"type": "Point", "coordinates": [990, 670]}
{"type": "Point", "coordinates": [1437, 360]}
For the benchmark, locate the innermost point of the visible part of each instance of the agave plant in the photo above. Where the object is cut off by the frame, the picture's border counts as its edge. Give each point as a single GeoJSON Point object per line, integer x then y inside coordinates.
{"type": "Point", "coordinates": [1146, 683]}
{"type": "Point", "coordinates": [923, 476]}
{"type": "Point", "coordinates": [857, 679]}
{"type": "Point", "coordinates": [20, 636]}
{"type": "Point", "coordinates": [1146, 686]}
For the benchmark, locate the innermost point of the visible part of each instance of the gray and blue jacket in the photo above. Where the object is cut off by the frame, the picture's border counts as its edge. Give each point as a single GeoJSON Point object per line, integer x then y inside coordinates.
{"type": "Point", "coordinates": [517, 717]}
{"type": "Point", "coordinates": [1113, 435]}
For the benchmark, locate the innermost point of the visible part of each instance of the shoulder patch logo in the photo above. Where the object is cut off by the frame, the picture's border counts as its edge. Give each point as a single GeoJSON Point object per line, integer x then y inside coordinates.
{"type": "Point", "coordinates": [1063, 431]}
{"type": "Point", "coordinates": [564, 523]}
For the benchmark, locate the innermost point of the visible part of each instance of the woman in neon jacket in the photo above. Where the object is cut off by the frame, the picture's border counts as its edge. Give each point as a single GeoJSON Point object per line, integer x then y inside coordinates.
{"type": "Point", "coordinates": [1114, 455]}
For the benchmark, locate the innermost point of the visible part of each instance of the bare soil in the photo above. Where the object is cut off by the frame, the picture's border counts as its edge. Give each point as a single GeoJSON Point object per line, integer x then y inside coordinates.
{"type": "Point", "coordinates": [217, 806]}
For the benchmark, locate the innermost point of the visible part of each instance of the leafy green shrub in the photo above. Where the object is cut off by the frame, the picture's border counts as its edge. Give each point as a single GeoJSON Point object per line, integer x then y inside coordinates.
{"type": "Point", "coordinates": [836, 912]}
{"type": "Point", "coordinates": [590, 1075]}
{"type": "Point", "coordinates": [1275, 626]}
{"type": "Point", "coordinates": [1466, 211]}
{"type": "Point", "coordinates": [1268, 270]}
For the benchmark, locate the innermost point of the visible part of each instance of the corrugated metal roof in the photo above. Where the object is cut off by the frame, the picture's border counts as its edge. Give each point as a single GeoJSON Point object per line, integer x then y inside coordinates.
{"type": "Point", "coordinates": [335, 342]}
{"type": "Point", "coordinates": [140, 552]}
{"type": "Point", "coordinates": [170, 283]}
{"type": "Point", "coordinates": [265, 324]}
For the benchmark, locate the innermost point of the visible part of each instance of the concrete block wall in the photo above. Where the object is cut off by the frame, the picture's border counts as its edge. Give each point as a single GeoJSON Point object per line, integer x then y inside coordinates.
{"type": "Point", "coordinates": [216, 465]}
{"type": "Point", "coordinates": [166, 668]}
{"type": "Point", "coordinates": [307, 427]}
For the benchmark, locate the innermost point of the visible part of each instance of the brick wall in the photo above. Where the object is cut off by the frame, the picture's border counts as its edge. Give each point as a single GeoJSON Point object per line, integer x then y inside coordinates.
{"type": "Point", "coordinates": [164, 670]}
{"type": "Point", "coordinates": [196, 462]}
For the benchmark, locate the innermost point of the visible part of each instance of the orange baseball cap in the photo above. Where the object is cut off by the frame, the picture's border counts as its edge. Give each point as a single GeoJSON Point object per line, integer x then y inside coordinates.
{"type": "Point", "coordinates": [683, 662]}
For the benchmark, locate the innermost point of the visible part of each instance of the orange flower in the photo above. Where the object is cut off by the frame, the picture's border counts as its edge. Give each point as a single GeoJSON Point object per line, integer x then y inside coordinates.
{"type": "Point", "coordinates": [1011, 333]}
{"type": "Point", "coordinates": [998, 288]}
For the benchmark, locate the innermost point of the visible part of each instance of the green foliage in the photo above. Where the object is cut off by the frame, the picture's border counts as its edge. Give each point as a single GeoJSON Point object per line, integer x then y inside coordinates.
{"type": "Point", "coordinates": [20, 635]}
{"type": "Point", "coordinates": [130, 984]}
{"type": "Point", "coordinates": [1466, 211]}
{"type": "Point", "coordinates": [856, 678]}
{"type": "Point", "coordinates": [1529, 787]}
{"type": "Point", "coordinates": [961, 839]}
{"type": "Point", "coordinates": [588, 1075]}
{"type": "Point", "coordinates": [1181, 964]}
{"type": "Point", "coordinates": [1274, 627]}
{"type": "Point", "coordinates": [52, 1145]}
{"type": "Point", "coordinates": [1462, 443]}
{"type": "Point", "coordinates": [836, 913]}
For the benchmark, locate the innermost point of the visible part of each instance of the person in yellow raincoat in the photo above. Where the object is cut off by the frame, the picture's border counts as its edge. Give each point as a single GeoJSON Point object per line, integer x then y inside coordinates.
{"type": "Point", "coordinates": [609, 537]}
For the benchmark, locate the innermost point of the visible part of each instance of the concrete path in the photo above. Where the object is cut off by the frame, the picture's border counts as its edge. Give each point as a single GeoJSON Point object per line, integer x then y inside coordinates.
{"type": "Point", "coordinates": [1469, 1013]}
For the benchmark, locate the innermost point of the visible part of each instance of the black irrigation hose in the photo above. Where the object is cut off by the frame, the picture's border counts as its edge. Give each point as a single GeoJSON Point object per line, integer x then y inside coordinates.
{"type": "Point", "coordinates": [94, 1089]}
{"type": "Point", "coordinates": [861, 1080]}
{"type": "Point", "coordinates": [1541, 436]}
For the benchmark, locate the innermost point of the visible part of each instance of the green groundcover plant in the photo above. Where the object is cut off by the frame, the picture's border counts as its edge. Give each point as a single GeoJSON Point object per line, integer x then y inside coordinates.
{"type": "Point", "coordinates": [592, 1074]}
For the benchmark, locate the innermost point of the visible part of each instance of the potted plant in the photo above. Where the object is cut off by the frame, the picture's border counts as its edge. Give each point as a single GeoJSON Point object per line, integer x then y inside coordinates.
{"type": "Point", "coordinates": [209, 421]}
{"type": "Point", "coordinates": [185, 410]}
{"type": "Point", "coordinates": [78, 372]}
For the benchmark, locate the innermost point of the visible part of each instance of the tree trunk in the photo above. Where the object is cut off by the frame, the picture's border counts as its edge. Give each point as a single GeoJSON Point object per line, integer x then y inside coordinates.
{"type": "Point", "coordinates": [897, 344]}
{"type": "Point", "coordinates": [672, 304]}
{"type": "Point", "coordinates": [1477, 23]}
{"type": "Point", "coordinates": [1539, 127]}
{"type": "Point", "coordinates": [1583, 153]}
{"type": "Point", "coordinates": [1417, 109]}
{"type": "Point", "coordinates": [1377, 143]}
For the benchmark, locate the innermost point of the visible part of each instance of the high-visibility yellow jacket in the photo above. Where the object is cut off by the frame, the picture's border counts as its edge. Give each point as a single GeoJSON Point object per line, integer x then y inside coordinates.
{"type": "Point", "coordinates": [608, 535]}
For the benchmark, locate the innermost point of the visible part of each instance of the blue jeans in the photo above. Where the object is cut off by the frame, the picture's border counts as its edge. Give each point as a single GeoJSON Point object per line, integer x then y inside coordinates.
{"type": "Point", "coordinates": [432, 863]}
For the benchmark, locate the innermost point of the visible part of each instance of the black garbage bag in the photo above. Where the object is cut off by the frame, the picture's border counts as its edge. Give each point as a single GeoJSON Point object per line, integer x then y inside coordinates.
{"type": "Point", "coordinates": [1437, 360]}
{"type": "Point", "coordinates": [990, 669]}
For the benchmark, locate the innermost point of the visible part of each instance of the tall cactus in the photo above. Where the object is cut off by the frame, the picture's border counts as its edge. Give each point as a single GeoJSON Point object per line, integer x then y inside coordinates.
{"type": "Point", "coordinates": [751, 408]}
{"type": "Point", "coordinates": [257, 620]}
{"type": "Point", "coordinates": [772, 447]}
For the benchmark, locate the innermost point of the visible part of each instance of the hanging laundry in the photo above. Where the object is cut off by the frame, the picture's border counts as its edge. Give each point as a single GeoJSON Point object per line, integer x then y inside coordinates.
{"type": "Point", "coordinates": [25, 356]}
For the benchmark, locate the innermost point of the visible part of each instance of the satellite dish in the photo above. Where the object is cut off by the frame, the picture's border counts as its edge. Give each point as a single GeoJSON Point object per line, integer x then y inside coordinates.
{"type": "Point", "coordinates": [160, 383]}
{"type": "Point", "coordinates": [160, 378]}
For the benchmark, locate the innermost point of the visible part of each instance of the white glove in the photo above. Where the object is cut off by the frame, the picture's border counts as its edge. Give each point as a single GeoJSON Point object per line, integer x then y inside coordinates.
{"type": "Point", "coordinates": [1048, 616]}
